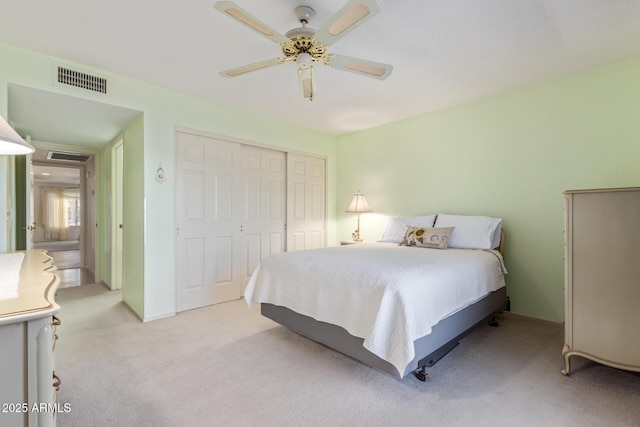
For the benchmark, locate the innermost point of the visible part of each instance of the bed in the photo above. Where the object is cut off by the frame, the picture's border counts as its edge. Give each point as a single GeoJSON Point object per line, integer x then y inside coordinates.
{"type": "Point", "coordinates": [398, 304]}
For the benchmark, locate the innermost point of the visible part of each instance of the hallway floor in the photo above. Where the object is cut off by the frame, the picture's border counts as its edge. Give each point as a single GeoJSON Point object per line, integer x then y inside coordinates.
{"type": "Point", "coordinates": [71, 277]}
{"type": "Point", "coordinates": [69, 270]}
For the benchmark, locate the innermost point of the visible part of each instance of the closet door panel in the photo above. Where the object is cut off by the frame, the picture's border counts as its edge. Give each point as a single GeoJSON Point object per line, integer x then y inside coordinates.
{"type": "Point", "coordinates": [207, 215]}
{"type": "Point", "coordinates": [195, 257]}
{"type": "Point", "coordinates": [306, 203]}
{"type": "Point", "coordinates": [263, 221]}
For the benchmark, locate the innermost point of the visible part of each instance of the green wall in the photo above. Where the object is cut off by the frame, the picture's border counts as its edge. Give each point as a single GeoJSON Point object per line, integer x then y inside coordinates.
{"type": "Point", "coordinates": [509, 156]}
{"type": "Point", "coordinates": [133, 283]}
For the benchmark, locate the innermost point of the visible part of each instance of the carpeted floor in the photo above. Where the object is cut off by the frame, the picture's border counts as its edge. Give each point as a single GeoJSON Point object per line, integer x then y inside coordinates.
{"type": "Point", "coordinates": [225, 365]}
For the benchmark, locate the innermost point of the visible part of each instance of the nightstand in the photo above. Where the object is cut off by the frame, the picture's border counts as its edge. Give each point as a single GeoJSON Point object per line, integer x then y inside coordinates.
{"type": "Point", "coordinates": [350, 242]}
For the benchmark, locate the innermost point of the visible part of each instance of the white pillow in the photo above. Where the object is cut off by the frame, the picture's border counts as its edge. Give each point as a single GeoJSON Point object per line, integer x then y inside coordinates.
{"type": "Point", "coordinates": [397, 226]}
{"type": "Point", "coordinates": [472, 232]}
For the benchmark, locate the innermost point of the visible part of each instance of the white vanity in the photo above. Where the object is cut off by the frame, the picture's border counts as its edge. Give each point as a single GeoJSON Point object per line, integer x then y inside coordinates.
{"type": "Point", "coordinates": [27, 339]}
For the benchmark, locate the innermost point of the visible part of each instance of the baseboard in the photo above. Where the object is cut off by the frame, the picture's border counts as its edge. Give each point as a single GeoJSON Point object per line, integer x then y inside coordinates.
{"type": "Point", "coordinates": [523, 316]}
{"type": "Point", "coordinates": [160, 316]}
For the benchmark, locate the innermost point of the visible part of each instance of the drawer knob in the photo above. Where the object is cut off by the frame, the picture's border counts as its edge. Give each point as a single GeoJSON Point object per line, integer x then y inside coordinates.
{"type": "Point", "coordinates": [56, 382]}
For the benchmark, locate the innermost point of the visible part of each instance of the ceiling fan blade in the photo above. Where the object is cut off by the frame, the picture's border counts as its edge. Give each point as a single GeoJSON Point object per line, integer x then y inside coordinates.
{"type": "Point", "coordinates": [377, 70]}
{"type": "Point", "coordinates": [354, 13]}
{"type": "Point", "coordinates": [234, 11]}
{"type": "Point", "coordinates": [233, 72]}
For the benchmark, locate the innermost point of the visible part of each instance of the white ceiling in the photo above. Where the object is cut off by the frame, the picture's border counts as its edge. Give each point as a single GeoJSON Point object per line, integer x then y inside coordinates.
{"type": "Point", "coordinates": [56, 174]}
{"type": "Point", "coordinates": [444, 53]}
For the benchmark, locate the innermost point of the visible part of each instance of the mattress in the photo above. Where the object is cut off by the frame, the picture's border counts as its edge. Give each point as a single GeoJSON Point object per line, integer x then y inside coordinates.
{"type": "Point", "coordinates": [388, 295]}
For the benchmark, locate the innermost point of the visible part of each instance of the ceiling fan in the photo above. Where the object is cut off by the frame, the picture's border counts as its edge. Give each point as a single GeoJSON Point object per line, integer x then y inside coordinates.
{"type": "Point", "coordinates": [304, 45]}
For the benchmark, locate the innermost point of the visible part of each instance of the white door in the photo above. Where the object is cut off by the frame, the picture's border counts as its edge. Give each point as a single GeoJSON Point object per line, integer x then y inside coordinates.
{"type": "Point", "coordinates": [118, 216]}
{"type": "Point", "coordinates": [262, 228]}
{"type": "Point", "coordinates": [29, 201]}
{"type": "Point", "coordinates": [24, 189]}
{"type": "Point", "coordinates": [208, 221]}
{"type": "Point", "coordinates": [306, 202]}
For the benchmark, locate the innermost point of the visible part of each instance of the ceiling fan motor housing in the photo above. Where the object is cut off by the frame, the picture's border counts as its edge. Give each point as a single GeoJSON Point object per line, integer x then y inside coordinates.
{"type": "Point", "coordinates": [304, 14]}
{"type": "Point", "coordinates": [304, 44]}
{"type": "Point", "coordinates": [301, 39]}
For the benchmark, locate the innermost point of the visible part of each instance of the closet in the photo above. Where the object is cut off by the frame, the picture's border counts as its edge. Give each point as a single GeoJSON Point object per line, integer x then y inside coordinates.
{"type": "Point", "coordinates": [236, 204]}
{"type": "Point", "coordinates": [602, 277]}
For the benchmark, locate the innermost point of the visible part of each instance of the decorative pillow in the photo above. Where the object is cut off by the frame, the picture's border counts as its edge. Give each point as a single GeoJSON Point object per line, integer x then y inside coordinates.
{"type": "Point", "coordinates": [472, 232]}
{"type": "Point", "coordinates": [397, 226]}
{"type": "Point", "coordinates": [427, 237]}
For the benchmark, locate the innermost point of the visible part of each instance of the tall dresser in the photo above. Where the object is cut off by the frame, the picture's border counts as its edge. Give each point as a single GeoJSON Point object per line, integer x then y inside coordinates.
{"type": "Point", "coordinates": [602, 277]}
{"type": "Point", "coordinates": [28, 382]}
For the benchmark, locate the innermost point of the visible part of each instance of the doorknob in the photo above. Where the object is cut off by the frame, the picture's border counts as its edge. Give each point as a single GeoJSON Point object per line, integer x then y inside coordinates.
{"type": "Point", "coordinates": [29, 228]}
{"type": "Point", "coordinates": [119, 225]}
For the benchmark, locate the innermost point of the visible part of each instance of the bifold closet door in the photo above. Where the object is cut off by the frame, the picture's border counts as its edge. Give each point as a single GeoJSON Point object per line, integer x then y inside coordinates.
{"type": "Point", "coordinates": [230, 215]}
{"type": "Point", "coordinates": [208, 221]}
{"type": "Point", "coordinates": [263, 217]}
{"type": "Point", "coordinates": [306, 202]}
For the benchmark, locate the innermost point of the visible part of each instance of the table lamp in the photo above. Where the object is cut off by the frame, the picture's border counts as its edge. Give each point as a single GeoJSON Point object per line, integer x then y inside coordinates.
{"type": "Point", "coordinates": [358, 205]}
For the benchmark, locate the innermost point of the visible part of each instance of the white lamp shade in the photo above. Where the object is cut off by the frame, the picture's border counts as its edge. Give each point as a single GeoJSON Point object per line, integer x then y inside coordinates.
{"type": "Point", "coordinates": [359, 204]}
{"type": "Point", "coordinates": [10, 142]}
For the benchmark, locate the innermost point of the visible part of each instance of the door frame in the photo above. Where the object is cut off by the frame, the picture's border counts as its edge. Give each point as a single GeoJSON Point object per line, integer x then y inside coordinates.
{"type": "Point", "coordinates": [98, 229]}
{"type": "Point", "coordinates": [82, 192]}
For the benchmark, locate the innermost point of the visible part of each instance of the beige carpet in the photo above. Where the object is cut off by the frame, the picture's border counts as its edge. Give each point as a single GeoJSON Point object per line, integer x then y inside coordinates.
{"type": "Point", "coordinates": [226, 365]}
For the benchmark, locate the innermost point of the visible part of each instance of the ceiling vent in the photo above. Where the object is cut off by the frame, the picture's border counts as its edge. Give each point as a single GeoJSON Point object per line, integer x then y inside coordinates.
{"type": "Point", "coordinates": [68, 157]}
{"type": "Point", "coordinates": [82, 80]}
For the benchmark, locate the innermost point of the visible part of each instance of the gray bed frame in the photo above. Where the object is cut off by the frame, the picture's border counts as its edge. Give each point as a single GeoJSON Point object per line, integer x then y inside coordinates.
{"type": "Point", "coordinates": [428, 349]}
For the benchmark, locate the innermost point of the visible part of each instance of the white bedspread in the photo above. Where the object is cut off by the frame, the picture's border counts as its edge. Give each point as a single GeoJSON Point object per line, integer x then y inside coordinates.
{"type": "Point", "coordinates": [388, 295]}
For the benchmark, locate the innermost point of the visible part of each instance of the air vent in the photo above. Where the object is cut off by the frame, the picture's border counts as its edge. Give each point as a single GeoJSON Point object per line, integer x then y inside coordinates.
{"type": "Point", "coordinates": [68, 157]}
{"type": "Point", "coordinates": [82, 80]}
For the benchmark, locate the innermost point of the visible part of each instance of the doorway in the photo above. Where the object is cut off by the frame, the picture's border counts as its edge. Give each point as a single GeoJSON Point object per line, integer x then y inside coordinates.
{"type": "Point", "coordinates": [62, 122]}
{"type": "Point", "coordinates": [62, 208]}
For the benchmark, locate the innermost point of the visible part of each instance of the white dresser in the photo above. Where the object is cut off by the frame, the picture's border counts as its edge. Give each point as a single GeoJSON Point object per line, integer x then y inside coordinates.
{"type": "Point", "coordinates": [27, 341]}
{"type": "Point", "coordinates": [602, 277]}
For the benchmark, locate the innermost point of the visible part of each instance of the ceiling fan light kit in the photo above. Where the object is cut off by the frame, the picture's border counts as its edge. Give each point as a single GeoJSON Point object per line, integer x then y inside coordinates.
{"type": "Point", "coordinates": [307, 83]}
{"type": "Point", "coordinates": [304, 45]}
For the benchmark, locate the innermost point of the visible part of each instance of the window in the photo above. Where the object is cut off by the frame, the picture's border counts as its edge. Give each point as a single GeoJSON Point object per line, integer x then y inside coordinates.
{"type": "Point", "coordinates": [72, 211]}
